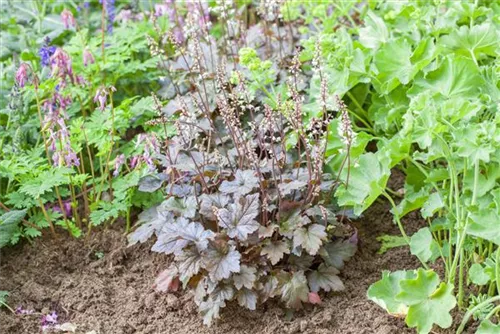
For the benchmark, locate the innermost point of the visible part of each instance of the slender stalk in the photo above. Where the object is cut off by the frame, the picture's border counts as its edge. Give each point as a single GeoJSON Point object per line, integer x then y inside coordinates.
{"type": "Point", "coordinates": [497, 270]}
{"type": "Point", "coordinates": [7, 307]}
{"type": "Point", "coordinates": [462, 226]}
{"type": "Point", "coordinates": [469, 313]}
{"type": "Point", "coordinates": [47, 217]}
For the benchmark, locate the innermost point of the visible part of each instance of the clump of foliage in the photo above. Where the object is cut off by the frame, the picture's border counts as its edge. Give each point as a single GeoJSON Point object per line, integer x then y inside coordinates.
{"type": "Point", "coordinates": [426, 93]}
{"type": "Point", "coordinates": [248, 214]}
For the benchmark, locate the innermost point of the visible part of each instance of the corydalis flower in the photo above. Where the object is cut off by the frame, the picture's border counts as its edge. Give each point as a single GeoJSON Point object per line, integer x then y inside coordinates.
{"type": "Point", "coordinates": [66, 206]}
{"type": "Point", "coordinates": [22, 311]}
{"type": "Point", "coordinates": [68, 19]}
{"type": "Point", "coordinates": [119, 161]}
{"type": "Point", "coordinates": [49, 320]}
{"type": "Point", "coordinates": [168, 8]}
{"type": "Point", "coordinates": [101, 96]}
{"type": "Point", "coordinates": [60, 144]}
{"type": "Point", "coordinates": [88, 58]}
{"type": "Point", "coordinates": [62, 66]}
{"type": "Point", "coordinates": [22, 74]}
{"type": "Point", "coordinates": [151, 146]}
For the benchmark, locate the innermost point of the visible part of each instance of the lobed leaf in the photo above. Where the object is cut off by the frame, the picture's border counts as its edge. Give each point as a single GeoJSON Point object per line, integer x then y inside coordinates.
{"type": "Point", "coordinates": [325, 278]}
{"type": "Point", "coordinates": [294, 292]}
{"type": "Point", "coordinates": [310, 237]}
{"type": "Point", "coordinates": [243, 183]}
{"type": "Point", "coordinates": [221, 263]}
{"type": "Point", "coordinates": [239, 218]}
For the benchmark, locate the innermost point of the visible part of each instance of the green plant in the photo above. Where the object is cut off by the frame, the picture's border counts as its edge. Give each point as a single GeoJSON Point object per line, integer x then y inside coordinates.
{"type": "Point", "coordinates": [3, 300]}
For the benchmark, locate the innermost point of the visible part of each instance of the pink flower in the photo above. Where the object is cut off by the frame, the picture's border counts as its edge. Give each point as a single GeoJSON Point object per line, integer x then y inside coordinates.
{"type": "Point", "coordinates": [88, 58]}
{"type": "Point", "coordinates": [119, 161]}
{"type": "Point", "coordinates": [62, 66]}
{"type": "Point", "coordinates": [22, 75]}
{"type": "Point", "coordinates": [68, 19]}
{"type": "Point", "coordinates": [101, 96]}
{"type": "Point", "coordinates": [49, 320]}
{"type": "Point", "coordinates": [134, 161]}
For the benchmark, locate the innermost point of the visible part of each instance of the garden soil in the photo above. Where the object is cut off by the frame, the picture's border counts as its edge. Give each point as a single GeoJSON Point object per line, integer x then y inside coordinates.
{"type": "Point", "coordinates": [104, 286]}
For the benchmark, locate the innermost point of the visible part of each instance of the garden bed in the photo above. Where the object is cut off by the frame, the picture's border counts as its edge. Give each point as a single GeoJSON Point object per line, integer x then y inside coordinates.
{"type": "Point", "coordinates": [114, 294]}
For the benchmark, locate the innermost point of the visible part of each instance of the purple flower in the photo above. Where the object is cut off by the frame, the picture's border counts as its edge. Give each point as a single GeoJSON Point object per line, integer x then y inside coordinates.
{"type": "Point", "coordinates": [59, 138]}
{"type": "Point", "coordinates": [45, 53]}
{"type": "Point", "coordinates": [70, 157]}
{"type": "Point", "coordinates": [49, 320]}
{"type": "Point", "coordinates": [62, 66]}
{"type": "Point", "coordinates": [133, 162]}
{"type": "Point", "coordinates": [101, 96]}
{"type": "Point", "coordinates": [151, 146]}
{"type": "Point", "coordinates": [119, 161]}
{"type": "Point", "coordinates": [68, 19]}
{"type": "Point", "coordinates": [110, 11]}
{"type": "Point", "coordinates": [125, 15]}
{"type": "Point", "coordinates": [88, 58]}
{"type": "Point", "coordinates": [22, 311]}
{"type": "Point", "coordinates": [66, 207]}
{"type": "Point", "coordinates": [22, 75]}
{"type": "Point", "coordinates": [86, 4]}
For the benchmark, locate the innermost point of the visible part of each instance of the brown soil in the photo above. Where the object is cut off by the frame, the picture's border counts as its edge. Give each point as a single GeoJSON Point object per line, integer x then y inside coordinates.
{"type": "Point", "coordinates": [114, 294]}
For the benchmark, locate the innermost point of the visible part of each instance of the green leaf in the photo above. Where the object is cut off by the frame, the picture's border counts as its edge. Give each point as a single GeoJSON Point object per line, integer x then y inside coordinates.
{"type": "Point", "coordinates": [412, 200]}
{"type": "Point", "coordinates": [477, 275]}
{"type": "Point", "coordinates": [455, 77]}
{"type": "Point", "coordinates": [480, 39]}
{"type": "Point", "coordinates": [3, 297]}
{"type": "Point", "coordinates": [430, 302]}
{"type": "Point", "coordinates": [423, 246]}
{"type": "Point", "coordinates": [384, 292]}
{"type": "Point", "coordinates": [433, 204]}
{"type": "Point", "coordinates": [374, 33]}
{"type": "Point", "coordinates": [394, 66]}
{"type": "Point", "coordinates": [487, 327]}
{"type": "Point", "coordinates": [484, 224]}
{"type": "Point", "coordinates": [367, 180]}
{"type": "Point", "coordinates": [9, 222]}
{"type": "Point", "coordinates": [389, 242]}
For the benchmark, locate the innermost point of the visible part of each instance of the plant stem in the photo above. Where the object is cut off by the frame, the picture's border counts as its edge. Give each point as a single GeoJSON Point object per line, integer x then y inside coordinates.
{"type": "Point", "coordinates": [46, 215]}
{"type": "Point", "coordinates": [8, 307]}
{"type": "Point", "coordinates": [497, 270]}
{"type": "Point", "coordinates": [460, 295]}
{"type": "Point", "coordinates": [474, 309]}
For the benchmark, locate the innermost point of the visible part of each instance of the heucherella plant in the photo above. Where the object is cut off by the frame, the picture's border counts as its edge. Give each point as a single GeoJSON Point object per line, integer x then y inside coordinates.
{"type": "Point", "coordinates": [248, 214]}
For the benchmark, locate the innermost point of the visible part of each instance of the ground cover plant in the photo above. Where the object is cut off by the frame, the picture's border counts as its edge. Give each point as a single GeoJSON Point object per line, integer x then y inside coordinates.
{"type": "Point", "coordinates": [242, 137]}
